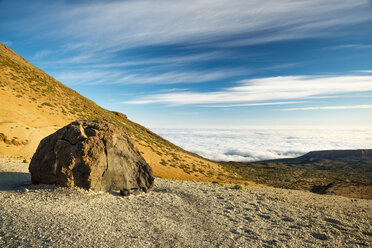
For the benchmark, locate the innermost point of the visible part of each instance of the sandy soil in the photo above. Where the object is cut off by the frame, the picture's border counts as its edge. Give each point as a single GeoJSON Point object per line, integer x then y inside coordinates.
{"type": "Point", "coordinates": [176, 214]}
{"type": "Point", "coordinates": [22, 118]}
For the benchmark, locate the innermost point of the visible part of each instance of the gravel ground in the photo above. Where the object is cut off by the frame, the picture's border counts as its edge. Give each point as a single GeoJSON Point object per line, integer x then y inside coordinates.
{"type": "Point", "coordinates": [176, 214]}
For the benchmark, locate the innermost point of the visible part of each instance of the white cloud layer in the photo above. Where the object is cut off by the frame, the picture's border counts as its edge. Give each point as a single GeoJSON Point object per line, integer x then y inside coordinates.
{"type": "Point", "coordinates": [262, 144]}
{"type": "Point", "coordinates": [268, 89]}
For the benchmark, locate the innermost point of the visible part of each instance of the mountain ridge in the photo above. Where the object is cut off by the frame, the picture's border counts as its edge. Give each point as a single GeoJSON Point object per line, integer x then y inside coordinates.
{"type": "Point", "coordinates": [34, 105]}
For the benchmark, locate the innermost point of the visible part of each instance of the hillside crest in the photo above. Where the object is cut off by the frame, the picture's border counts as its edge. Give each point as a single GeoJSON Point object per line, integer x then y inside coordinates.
{"type": "Point", "coordinates": [34, 105]}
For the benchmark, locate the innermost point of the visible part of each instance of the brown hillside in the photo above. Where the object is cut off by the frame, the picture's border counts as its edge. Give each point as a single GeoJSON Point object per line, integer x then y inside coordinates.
{"type": "Point", "coordinates": [33, 105]}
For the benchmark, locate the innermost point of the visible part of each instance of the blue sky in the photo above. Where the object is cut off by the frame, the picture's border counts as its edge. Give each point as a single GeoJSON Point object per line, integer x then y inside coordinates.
{"type": "Point", "coordinates": [205, 63]}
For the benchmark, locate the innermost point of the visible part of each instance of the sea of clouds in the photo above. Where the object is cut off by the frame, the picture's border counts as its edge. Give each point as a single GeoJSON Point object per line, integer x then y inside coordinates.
{"type": "Point", "coordinates": [262, 144]}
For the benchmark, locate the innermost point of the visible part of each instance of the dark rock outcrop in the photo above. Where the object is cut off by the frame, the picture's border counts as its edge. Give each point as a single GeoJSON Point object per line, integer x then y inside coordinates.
{"type": "Point", "coordinates": [93, 155]}
{"type": "Point", "coordinates": [121, 115]}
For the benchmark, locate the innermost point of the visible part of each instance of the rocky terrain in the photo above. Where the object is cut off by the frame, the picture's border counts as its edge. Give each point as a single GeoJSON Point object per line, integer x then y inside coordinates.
{"type": "Point", "coordinates": [176, 214]}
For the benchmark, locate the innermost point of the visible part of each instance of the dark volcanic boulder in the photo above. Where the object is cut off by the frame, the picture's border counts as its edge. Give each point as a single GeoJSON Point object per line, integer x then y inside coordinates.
{"type": "Point", "coordinates": [93, 155]}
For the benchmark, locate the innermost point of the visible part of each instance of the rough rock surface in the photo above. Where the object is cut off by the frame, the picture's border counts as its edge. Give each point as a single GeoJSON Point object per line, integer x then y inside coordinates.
{"type": "Point", "coordinates": [93, 155]}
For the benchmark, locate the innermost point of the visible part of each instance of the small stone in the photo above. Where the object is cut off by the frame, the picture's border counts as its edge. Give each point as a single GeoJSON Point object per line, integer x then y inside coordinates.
{"type": "Point", "coordinates": [124, 192]}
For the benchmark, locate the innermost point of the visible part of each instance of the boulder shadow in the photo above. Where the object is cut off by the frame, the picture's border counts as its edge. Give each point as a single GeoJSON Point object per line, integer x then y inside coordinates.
{"type": "Point", "coordinates": [320, 189]}
{"type": "Point", "coordinates": [14, 180]}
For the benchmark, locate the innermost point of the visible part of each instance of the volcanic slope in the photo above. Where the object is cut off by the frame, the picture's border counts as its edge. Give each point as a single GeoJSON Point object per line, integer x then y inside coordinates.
{"type": "Point", "coordinates": [34, 105]}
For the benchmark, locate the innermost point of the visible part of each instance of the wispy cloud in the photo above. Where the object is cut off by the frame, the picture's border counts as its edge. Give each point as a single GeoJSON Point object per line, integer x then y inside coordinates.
{"type": "Point", "coordinates": [86, 77]}
{"type": "Point", "coordinates": [331, 108]}
{"type": "Point", "coordinates": [97, 31]}
{"type": "Point", "coordinates": [145, 77]}
{"type": "Point", "coordinates": [364, 71]}
{"type": "Point", "coordinates": [267, 89]}
{"type": "Point", "coordinates": [251, 104]}
{"type": "Point", "coordinates": [123, 24]}
{"type": "Point", "coordinates": [352, 46]}
{"type": "Point", "coordinates": [87, 60]}
{"type": "Point", "coordinates": [42, 54]}
{"type": "Point", "coordinates": [152, 71]}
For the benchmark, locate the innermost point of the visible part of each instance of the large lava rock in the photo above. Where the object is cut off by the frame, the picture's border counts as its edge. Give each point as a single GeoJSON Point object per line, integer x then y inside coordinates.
{"type": "Point", "coordinates": [93, 155]}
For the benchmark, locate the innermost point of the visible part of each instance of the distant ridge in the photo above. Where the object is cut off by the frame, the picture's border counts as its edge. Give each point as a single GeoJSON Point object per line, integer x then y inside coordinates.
{"type": "Point", "coordinates": [338, 154]}
{"type": "Point", "coordinates": [325, 155]}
